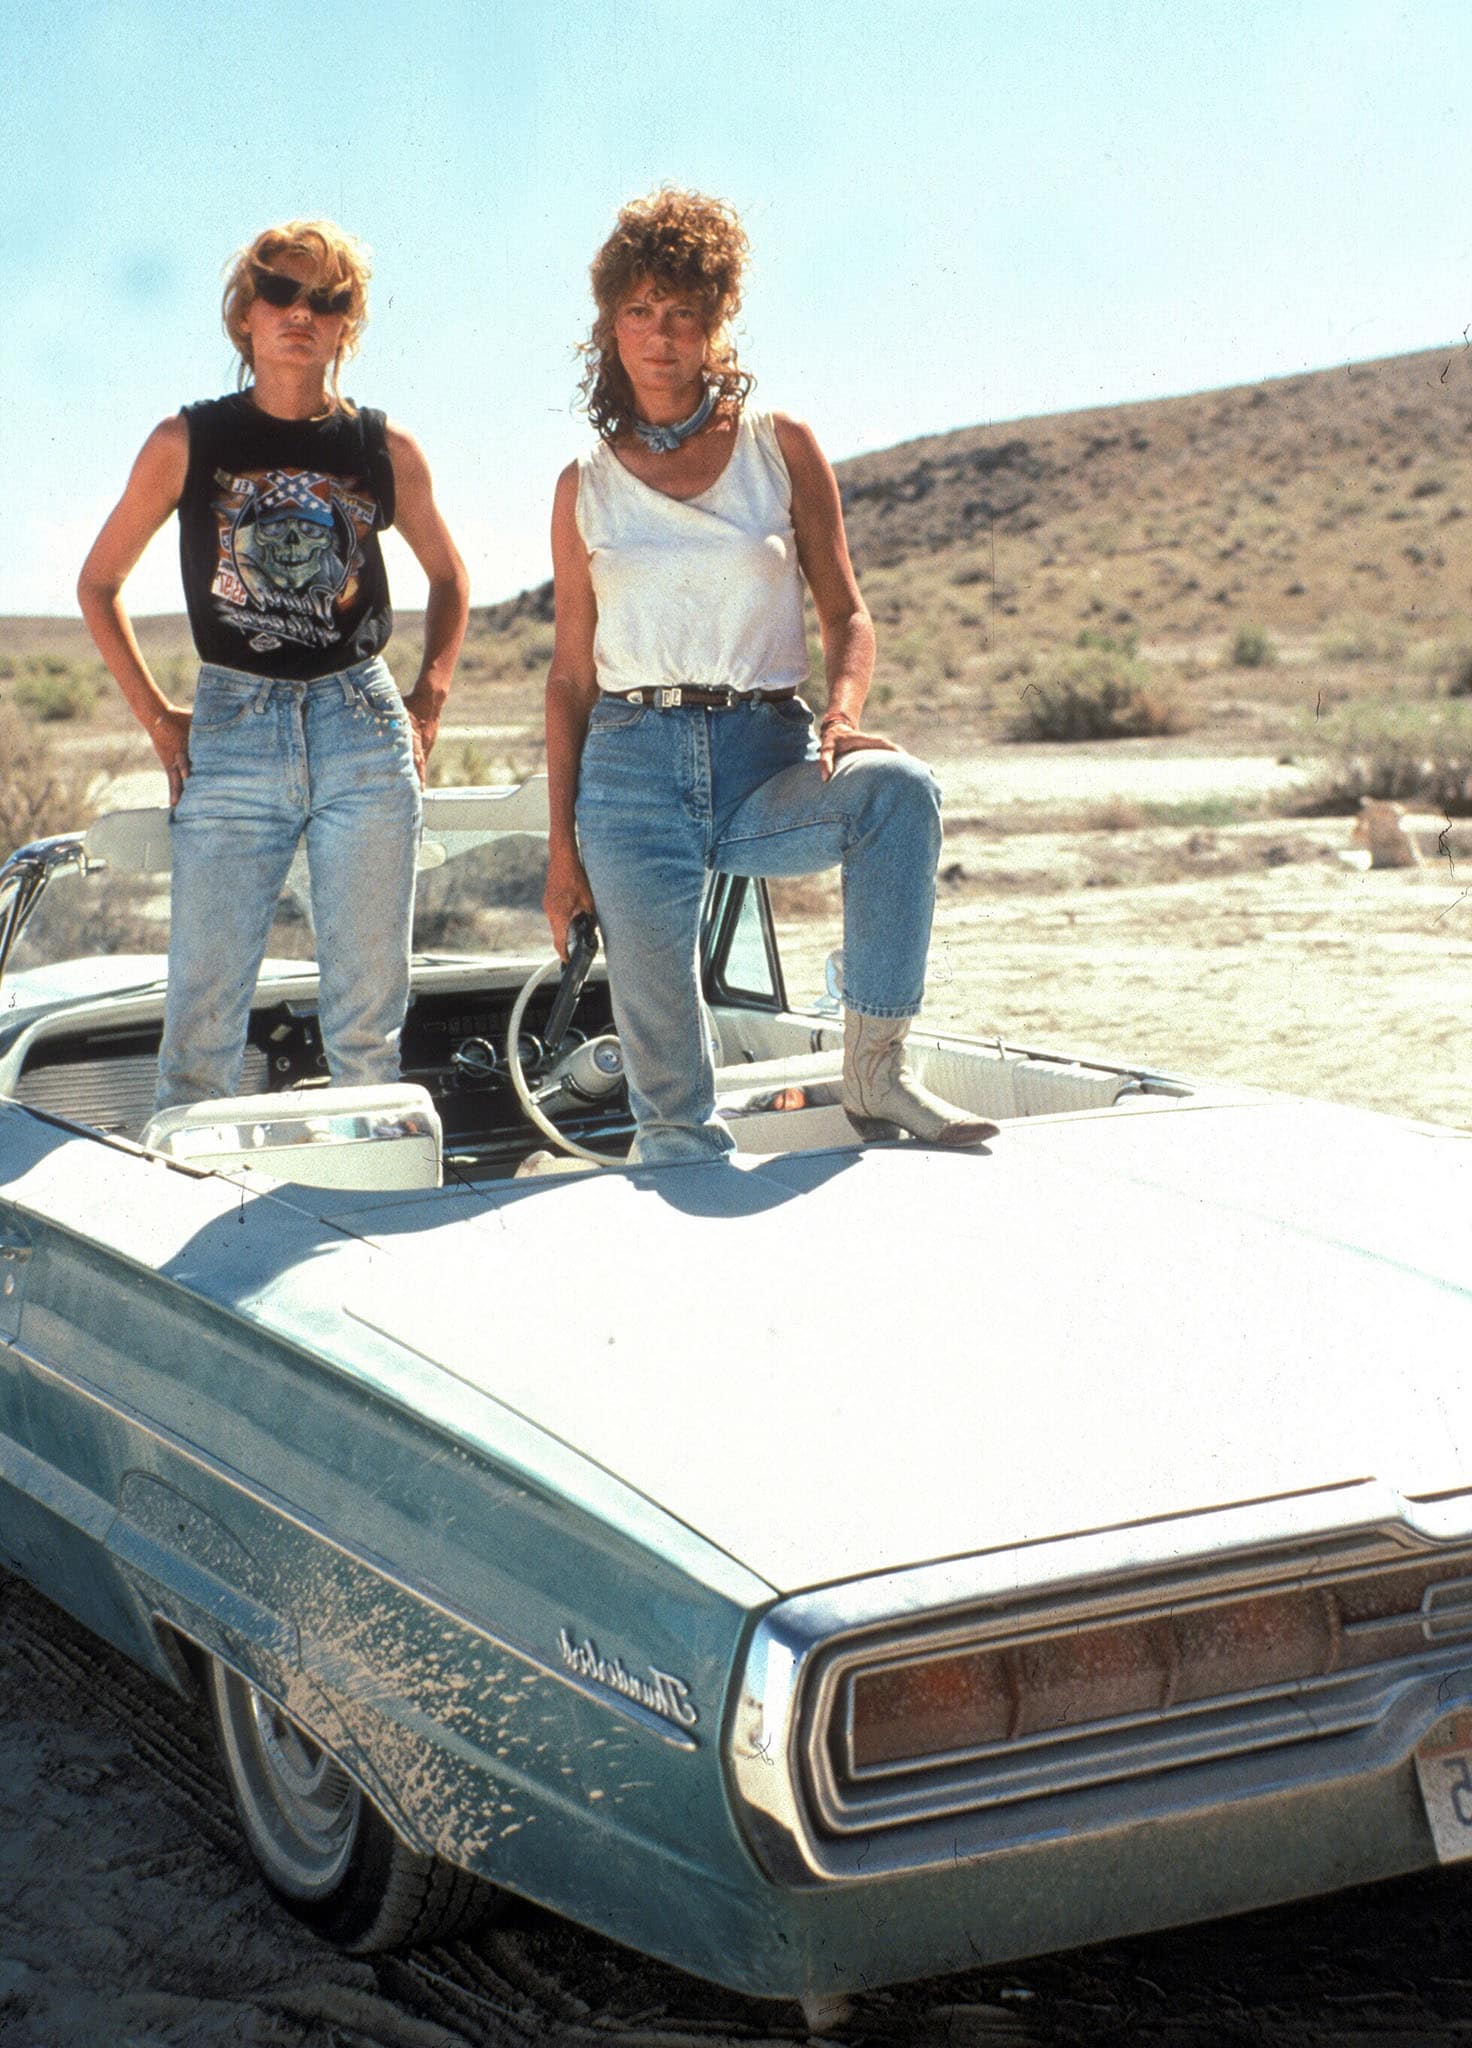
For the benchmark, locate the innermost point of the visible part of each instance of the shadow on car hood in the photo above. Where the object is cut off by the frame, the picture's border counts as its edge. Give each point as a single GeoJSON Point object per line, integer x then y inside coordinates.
{"type": "Point", "coordinates": [836, 1364]}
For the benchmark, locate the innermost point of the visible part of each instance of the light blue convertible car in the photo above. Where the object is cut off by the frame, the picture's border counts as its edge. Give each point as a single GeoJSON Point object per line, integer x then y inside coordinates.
{"type": "Point", "coordinates": [842, 1565]}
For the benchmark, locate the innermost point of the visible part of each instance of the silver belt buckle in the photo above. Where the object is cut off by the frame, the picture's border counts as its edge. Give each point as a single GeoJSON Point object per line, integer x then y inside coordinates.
{"type": "Point", "coordinates": [669, 700]}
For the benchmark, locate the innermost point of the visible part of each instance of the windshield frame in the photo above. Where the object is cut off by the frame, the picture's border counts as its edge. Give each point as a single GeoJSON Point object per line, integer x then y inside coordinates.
{"type": "Point", "coordinates": [26, 876]}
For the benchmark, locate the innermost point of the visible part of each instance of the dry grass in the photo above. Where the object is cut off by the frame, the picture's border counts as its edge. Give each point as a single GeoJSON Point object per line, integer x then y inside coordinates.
{"type": "Point", "coordinates": [50, 689]}
{"type": "Point", "coordinates": [458, 763]}
{"type": "Point", "coordinates": [1410, 752]}
{"type": "Point", "coordinates": [1095, 692]}
{"type": "Point", "coordinates": [43, 790]}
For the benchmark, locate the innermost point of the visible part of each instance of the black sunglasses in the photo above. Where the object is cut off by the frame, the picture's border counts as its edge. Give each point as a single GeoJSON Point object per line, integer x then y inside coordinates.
{"type": "Point", "coordinates": [281, 291]}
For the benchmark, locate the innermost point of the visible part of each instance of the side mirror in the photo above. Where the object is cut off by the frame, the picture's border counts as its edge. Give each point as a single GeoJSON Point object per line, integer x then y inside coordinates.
{"type": "Point", "coordinates": [832, 1001]}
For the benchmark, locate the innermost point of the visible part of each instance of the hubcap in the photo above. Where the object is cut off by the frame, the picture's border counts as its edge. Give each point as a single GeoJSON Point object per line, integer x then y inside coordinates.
{"type": "Point", "coordinates": [298, 1805]}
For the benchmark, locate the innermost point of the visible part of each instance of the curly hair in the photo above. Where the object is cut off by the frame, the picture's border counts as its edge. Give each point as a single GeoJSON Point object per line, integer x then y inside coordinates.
{"type": "Point", "coordinates": [337, 259]}
{"type": "Point", "coordinates": [682, 242]}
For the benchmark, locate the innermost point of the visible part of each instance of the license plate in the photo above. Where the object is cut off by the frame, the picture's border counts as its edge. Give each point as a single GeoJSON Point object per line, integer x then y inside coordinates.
{"type": "Point", "coordinates": [1444, 1767]}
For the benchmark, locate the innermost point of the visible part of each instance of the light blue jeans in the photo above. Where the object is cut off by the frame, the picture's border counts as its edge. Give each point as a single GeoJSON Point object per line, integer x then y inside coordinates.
{"type": "Point", "coordinates": [271, 763]}
{"type": "Point", "coordinates": [664, 797]}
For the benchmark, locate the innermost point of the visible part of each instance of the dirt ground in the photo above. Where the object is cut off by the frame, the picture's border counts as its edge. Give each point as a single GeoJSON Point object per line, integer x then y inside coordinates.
{"type": "Point", "coordinates": [1258, 951]}
{"type": "Point", "coordinates": [129, 1918]}
{"type": "Point", "coordinates": [1069, 915]}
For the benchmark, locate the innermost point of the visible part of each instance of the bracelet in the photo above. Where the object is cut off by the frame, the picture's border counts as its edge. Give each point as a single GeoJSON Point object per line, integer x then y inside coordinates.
{"type": "Point", "coordinates": [837, 718]}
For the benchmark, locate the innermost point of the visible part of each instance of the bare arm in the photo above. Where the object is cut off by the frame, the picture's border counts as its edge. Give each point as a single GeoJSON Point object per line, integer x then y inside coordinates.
{"type": "Point", "coordinates": [149, 498]}
{"type": "Point", "coordinates": [844, 624]}
{"type": "Point", "coordinates": [572, 686]}
{"type": "Point", "coordinates": [448, 605]}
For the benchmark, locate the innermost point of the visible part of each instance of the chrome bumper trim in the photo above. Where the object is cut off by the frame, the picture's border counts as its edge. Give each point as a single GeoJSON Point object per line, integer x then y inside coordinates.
{"type": "Point", "coordinates": [785, 1785]}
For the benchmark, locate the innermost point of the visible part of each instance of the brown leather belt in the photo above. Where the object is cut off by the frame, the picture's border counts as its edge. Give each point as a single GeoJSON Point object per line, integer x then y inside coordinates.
{"type": "Point", "coordinates": [682, 694]}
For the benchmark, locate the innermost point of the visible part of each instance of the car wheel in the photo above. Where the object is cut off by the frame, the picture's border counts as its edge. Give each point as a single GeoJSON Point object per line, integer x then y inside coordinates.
{"type": "Point", "coordinates": [322, 1846]}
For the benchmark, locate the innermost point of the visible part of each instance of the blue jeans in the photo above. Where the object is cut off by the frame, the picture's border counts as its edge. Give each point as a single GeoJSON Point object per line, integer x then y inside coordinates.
{"type": "Point", "coordinates": [666, 796]}
{"type": "Point", "coordinates": [270, 763]}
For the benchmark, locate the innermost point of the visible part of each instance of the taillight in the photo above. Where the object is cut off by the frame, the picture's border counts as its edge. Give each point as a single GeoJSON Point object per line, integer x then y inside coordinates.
{"type": "Point", "coordinates": [922, 1707]}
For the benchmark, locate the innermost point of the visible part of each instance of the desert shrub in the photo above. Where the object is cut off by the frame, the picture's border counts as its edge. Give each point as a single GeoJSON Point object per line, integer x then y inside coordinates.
{"type": "Point", "coordinates": [112, 914]}
{"type": "Point", "coordinates": [1114, 814]}
{"type": "Point", "coordinates": [504, 645]}
{"type": "Point", "coordinates": [52, 690]}
{"type": "Point", "coordinates": [489, 891]}
{"type": "Point", "coordinates": [1407, 751]}
{"type": "Point", "coordinates": [1252, 647]}
{"type": "Point", "coordinates": [41, 791]}
{"type": "Point", "coordinates": [909, 651]}
{"type": "Point", "coordinates": [1363, 640]}
{"type": "Point", "coordinates": [1447, 663]}
{"type": "Point", "coordinates": [1196, 812]}
{"type": "Point", "coordinates": [1215, 812]}
{"type": "Point", "coordinates": [1095, 694]}
{"type": "Point", "coordinates": [472, 764]}
{"type": "Point", "coordinates": [1127, 644]}
{"type": "Point", "coordinates": [175, 674]}
{"type": "Point", "coordinates": [460, 764]}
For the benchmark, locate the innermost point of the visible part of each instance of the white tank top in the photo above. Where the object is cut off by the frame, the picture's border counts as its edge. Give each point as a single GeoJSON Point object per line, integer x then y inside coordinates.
{"type": "Point", "coordinates": [704, 590]}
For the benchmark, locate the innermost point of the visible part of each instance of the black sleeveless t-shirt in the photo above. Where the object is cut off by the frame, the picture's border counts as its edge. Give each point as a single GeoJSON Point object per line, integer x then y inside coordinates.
{"type": "Point", "coordinates": [278, 538]}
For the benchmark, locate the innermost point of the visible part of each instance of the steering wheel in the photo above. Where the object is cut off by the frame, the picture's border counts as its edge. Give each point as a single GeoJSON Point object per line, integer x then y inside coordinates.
{"type": "Point", "coordinates": [590, 1072]}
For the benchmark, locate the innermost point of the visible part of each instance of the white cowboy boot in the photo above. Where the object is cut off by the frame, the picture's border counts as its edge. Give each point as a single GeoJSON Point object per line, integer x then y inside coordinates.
{"type": "Point", "coordinates": [882, 1098]}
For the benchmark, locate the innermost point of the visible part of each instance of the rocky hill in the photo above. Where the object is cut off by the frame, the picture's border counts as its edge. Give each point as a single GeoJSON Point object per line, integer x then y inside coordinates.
{"type": "Point", "coordinates": [1297, 501]}
{"type": "Point", "coordinates": [1300, 502]}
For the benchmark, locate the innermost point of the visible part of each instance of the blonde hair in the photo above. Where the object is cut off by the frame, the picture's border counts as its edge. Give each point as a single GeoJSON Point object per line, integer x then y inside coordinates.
{"type": "Point", "coordinates": [681, 243]}
{"type": "Point", "coordinates": [337, 259]}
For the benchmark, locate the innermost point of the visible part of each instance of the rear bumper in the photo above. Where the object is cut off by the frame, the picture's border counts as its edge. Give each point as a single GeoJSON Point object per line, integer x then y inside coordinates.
{"type": "Point", "coordinates": [1189, 1846]}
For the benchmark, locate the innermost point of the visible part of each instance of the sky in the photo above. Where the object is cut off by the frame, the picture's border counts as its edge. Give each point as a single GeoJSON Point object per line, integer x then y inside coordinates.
{"type": "Point", "coordinates": [961, 212]}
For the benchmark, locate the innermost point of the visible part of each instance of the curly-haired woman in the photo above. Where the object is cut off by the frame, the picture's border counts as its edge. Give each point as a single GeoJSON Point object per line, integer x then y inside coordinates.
{"type": "Point", "coordinates": [297, 730]}
{"type": "Point", "coordinates": [676, 740]}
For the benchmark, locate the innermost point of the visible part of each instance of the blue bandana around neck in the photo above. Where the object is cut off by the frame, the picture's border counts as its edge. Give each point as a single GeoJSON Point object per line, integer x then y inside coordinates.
{"type": "Point", "coordinates": [665, 440]}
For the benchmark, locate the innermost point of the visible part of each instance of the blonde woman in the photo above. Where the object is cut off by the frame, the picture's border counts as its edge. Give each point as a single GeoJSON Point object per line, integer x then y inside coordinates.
{"type": "Point", "coordinates": [677, 742]}
{"type": "Point", "coordinates": [297, 731]}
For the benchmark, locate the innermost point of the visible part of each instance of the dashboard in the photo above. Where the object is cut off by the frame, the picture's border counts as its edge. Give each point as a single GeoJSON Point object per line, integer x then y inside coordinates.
{"type": "Point", "coordinates": [454, 1044]}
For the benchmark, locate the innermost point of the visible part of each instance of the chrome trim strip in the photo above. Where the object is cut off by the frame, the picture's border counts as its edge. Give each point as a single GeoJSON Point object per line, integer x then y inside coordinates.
{"type": "Point", "coordinates": [1446, 1609]}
